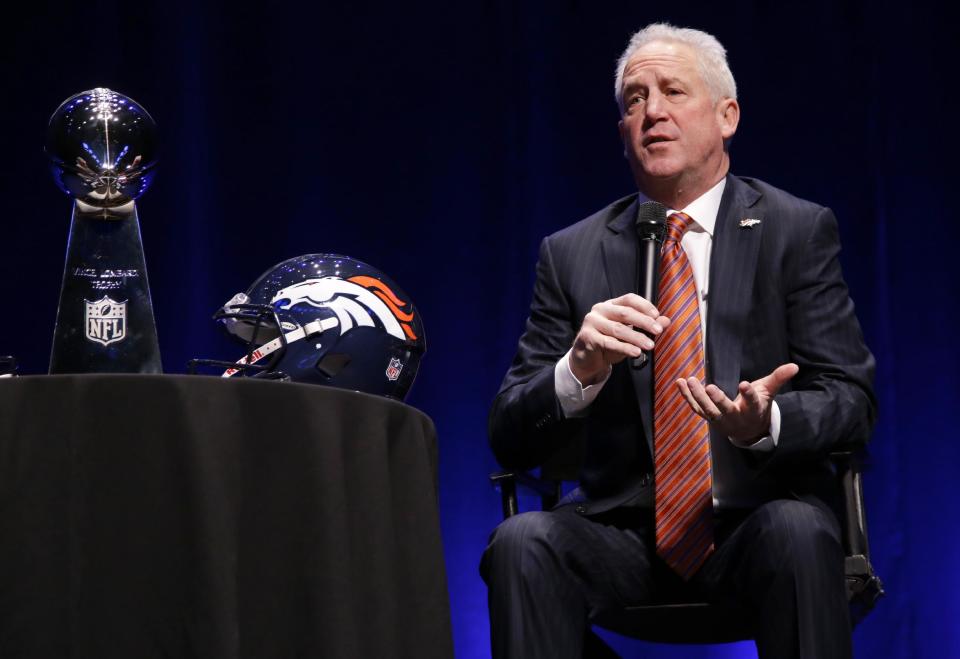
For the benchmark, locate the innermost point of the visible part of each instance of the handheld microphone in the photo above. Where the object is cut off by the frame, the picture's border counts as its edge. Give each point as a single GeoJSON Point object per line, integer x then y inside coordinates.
{"type": "Point", "coordinates": [651, 227]}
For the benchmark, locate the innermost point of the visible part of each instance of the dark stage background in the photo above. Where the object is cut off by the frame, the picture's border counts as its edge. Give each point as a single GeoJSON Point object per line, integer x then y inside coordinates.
{"type": "Point", "coordinates": [440, 143]}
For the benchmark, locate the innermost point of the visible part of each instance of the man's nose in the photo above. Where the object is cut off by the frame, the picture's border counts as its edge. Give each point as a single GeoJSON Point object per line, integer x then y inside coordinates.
{"type": "Point", "coordinates": [655, 106]}
{"type": "Point", "coordinates": [654, 111]}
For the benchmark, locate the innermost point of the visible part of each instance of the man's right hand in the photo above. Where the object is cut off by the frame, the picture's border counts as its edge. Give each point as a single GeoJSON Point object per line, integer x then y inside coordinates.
{"type": "Point", "coordinates": [607, 335]}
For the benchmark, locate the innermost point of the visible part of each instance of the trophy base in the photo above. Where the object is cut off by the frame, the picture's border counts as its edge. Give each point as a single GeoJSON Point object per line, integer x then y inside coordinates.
{"type": "Point", "coordinates": [105, 321]}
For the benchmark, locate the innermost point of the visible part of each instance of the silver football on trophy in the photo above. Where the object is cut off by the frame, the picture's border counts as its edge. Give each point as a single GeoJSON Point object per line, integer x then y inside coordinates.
{"type": "Point", "coordinates": [102, 148]}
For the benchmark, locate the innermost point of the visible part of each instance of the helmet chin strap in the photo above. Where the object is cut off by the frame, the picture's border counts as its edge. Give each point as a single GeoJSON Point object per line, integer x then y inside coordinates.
{"type": "Point", "coordinates": [311, 328]}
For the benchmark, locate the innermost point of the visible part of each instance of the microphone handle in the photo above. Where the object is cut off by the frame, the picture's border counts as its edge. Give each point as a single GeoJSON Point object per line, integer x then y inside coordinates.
{"type": "Point", "coordinates": [647, 284]}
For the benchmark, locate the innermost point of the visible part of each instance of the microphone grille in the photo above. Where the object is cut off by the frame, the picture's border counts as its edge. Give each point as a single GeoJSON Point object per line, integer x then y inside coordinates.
{"type": "Point", "coordinates": [651, 211]}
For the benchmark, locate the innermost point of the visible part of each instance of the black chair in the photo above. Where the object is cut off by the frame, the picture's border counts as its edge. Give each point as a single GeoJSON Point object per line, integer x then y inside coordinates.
{"type": "Point", "coordinates": [700, 622]}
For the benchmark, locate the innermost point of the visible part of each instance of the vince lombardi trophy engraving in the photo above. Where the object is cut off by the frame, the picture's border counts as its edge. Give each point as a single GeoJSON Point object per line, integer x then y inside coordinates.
{"type": "Point", "coordinates": [102, 148]}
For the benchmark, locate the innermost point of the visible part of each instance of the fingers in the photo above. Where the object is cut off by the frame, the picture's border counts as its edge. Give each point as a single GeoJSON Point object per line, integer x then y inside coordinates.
{"type": "Point", "coordinates": [694, 393]}
{"type": "Point", "coordinates": [746, 417]}
{"type": "Point", "coordinates": [779, 377]}
{"type": "Point", "coordinates": [604, 328]}
{"type": "Point", "coordinates": [623, 342]}
{"type": "Point", "coordinates": [708, 401]}
{"type": "Point", "coordinates": [634, 301]}
{"type": "Point", "coordinates": [607, 335]}
{"type": "Point", "coordinates": [785, 373]}
{"type": "Point", "coordinates": [647, 319]}
{"type": "Point", "coordinates": [613, 330]}
{"type": "Point", "coordinates": [602, 343]}
{"type": "Point", "coordinates": [620, 322]}
{"type": "Point", "coordinates": [712, 403]}
{"type": "Point", "coordinates": [724, 404]}
{"type": "Point", "coordinates": [688, 396]}
{"type": "Point", "coordinates": [753, 402]}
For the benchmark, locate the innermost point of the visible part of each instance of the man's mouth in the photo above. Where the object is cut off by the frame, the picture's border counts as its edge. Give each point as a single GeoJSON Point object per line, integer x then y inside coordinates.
{"type": "Point", "coordinates": [655, 139]}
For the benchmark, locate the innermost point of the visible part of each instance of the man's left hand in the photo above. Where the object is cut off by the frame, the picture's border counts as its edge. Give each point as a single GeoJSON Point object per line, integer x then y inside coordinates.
{"type": "Point", "coordinates": [746, 419]}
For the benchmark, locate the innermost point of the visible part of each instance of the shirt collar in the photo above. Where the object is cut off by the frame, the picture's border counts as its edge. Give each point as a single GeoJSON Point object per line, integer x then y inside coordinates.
{"type": "Point", "coordinates": [703, 209]}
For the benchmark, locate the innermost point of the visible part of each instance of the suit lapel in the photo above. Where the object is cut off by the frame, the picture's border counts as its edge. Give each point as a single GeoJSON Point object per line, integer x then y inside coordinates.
{"type": "Point", "coordinates": [620, 251]}
{"type": "Point", "coordinates": [733, 265]}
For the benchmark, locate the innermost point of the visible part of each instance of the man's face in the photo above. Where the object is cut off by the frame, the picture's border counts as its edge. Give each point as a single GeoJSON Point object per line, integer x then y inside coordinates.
{"type": "Point", "coordinates": [672, 129]}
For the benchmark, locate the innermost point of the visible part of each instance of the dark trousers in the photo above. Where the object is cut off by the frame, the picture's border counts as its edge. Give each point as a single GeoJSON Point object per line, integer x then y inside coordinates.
{"type": "Point", "coordinates": [550, 573]}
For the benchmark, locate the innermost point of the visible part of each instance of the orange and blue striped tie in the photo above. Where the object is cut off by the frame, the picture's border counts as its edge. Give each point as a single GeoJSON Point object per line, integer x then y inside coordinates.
{"type": "Point", "coordinates": [683, 470]}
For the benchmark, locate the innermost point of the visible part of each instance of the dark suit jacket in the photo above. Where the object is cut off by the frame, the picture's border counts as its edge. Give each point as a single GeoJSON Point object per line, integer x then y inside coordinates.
{"type": "Point", "coordinates": [776, 295]}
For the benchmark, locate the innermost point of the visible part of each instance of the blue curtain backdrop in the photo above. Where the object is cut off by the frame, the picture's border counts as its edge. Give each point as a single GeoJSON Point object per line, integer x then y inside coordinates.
{"type": "Point", "coordinates": [440, 142]}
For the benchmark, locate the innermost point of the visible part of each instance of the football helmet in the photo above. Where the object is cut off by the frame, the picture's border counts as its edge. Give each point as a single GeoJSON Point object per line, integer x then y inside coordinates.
{"type": "Point", "coordinates": [326, 319]}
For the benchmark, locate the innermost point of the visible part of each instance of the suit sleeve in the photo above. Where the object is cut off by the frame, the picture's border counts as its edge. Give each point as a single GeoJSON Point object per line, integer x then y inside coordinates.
{"type": "Point", "coordinates": [832, 402]}
{"type": "Point", "coordinates": [526, 423]}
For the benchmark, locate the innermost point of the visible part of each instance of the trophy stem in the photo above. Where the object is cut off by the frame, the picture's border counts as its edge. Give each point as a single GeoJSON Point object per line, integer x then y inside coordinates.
{"type": "Point", "coordinates": [105, 321]}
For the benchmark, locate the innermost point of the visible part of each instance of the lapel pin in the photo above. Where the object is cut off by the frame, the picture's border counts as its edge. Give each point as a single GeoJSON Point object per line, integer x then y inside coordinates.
{"type": "Point", "coordinates": [749, 223]}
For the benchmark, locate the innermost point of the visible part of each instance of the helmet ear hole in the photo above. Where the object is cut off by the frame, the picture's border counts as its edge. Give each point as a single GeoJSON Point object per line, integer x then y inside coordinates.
{"type": "Point", "coordinates": [331, 364]}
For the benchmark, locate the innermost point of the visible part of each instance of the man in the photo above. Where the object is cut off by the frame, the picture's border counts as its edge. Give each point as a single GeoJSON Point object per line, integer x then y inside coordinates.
{"type": "Point", "coordinates": [759, 368]}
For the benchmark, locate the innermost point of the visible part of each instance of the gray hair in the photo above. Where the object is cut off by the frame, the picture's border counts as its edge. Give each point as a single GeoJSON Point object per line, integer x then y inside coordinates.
{"type": "Point", "coordinates": [711, 57]}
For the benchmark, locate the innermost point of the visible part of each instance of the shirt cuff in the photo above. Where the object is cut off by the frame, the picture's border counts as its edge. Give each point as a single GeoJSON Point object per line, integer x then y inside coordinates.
{"type": "Point", "coordinates": [573, 396]}
{"type": "Point", "coordinates": [769, 442]}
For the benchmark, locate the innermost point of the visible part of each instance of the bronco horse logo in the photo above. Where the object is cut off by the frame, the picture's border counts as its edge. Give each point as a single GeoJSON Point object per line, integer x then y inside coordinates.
{"type": "Point", "coordinates": [355, 301]}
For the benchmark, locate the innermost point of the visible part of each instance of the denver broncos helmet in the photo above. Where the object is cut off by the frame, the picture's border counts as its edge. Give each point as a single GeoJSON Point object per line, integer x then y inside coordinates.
{"type": "Point", "coordinates": [327, 319]}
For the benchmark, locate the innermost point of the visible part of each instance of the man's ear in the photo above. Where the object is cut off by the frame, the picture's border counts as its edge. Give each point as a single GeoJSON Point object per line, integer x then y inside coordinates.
{"type": "Point", "coordinates": [728, 117]}
{"type": "Point", "coordinates": [623, 136]}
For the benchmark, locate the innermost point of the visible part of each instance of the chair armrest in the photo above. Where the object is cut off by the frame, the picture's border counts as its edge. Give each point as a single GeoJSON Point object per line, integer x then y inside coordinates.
{"type": "Point", "coordinates": [849, 473]}
{"type": "Point", "coordinates": [507, 481]}
{"type": "Point", "coordinates": [864, 587]}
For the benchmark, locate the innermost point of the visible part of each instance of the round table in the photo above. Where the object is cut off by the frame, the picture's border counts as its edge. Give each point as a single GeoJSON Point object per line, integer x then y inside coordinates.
{"type": "Point", "coordinates": [187, 516]}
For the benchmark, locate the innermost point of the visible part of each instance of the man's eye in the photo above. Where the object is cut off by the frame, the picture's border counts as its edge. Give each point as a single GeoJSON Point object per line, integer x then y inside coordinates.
{"type": "Point", "coordinates": [635, 99]}
{"type": "Point", "coordinates": [674, 92]}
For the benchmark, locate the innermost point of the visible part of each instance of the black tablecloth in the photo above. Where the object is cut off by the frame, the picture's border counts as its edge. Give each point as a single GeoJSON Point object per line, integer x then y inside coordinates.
{"type": "Point", "coordinates": [177, 516]}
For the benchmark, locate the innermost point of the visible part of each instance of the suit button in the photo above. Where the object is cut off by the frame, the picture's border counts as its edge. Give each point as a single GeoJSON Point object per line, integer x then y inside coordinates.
{"type": "Point", "coordinates": [581, 509]}
{"type": "Point", "coordinates": [645, 480]}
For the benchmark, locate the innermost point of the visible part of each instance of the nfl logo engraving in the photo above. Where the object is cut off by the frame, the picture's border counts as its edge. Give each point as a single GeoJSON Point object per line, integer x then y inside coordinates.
{"type": "Point", "coordinates": [394, 368]}
{"type": "Point", "coordinates": [106, 321]}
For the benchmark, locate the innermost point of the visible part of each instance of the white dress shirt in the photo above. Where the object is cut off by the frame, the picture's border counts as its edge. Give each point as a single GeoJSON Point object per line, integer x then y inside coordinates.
{"type": "Point", "coordinates": [697, 242]}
